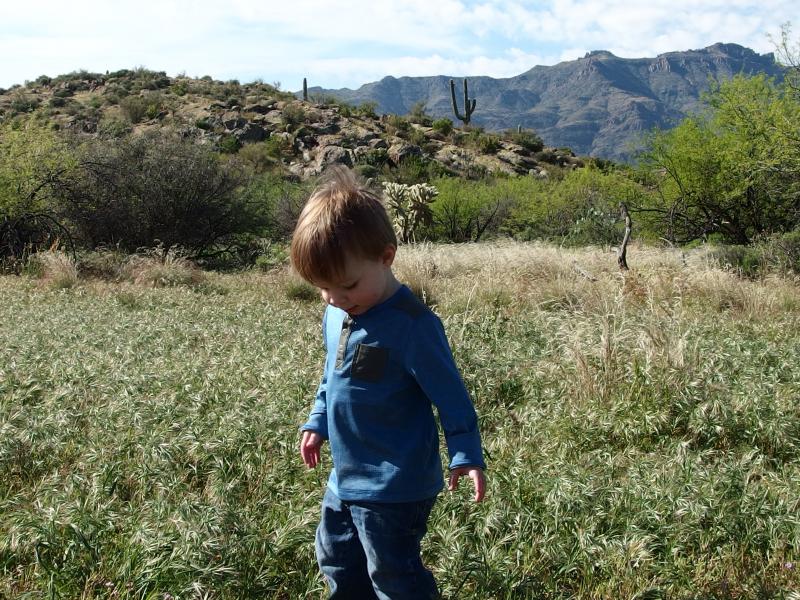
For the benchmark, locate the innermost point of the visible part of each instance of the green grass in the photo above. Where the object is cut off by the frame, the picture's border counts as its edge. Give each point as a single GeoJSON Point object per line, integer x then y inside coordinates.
{"type": "Point", "coordinates": [642, 432]}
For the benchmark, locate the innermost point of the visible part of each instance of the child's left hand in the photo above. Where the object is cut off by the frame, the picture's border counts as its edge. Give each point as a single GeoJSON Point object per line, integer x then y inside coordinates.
{"type": "Point", "coordinates": [474, 473]}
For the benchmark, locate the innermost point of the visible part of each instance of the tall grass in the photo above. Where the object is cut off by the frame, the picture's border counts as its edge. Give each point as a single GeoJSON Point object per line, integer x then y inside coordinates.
{"type": "Point", "coordinates": [642, 432]}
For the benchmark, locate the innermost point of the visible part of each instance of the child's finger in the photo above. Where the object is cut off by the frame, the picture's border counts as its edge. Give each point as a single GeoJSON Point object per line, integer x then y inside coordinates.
{"type": "Point", "coordinates": [452, 484]}
{"type": "Point", "coordinates": [480, 484]}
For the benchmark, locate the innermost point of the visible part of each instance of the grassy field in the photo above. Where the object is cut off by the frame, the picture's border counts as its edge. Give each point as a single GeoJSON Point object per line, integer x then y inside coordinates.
{"type": "Point", "coordinates": [642, 431]}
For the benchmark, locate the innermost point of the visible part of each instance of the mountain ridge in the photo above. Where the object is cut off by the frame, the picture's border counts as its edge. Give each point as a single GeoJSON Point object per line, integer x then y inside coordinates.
{"type": "Point", "coordinates": [597, 105]}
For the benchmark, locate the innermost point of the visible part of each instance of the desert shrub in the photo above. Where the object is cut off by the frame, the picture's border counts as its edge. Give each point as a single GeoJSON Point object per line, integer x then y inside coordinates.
{"type": "Point", "coordinates": [397, 125]}
{"type": "Point", "coordinates": [375, 157]}
{"type": "Point", "coordinates": [293, 115]}
{"type": "Point", "coordinates": [111, 127]}
{"type": "Point", "coordinates": [156, 187]}
{"type": "Point", "coordinates": [414, 169]}
{"type": "Point", "coordinates": [229, 144]}
{"type": "Point", "coordinates": [56, 102]}
{"type": "Point", "coordinates": [581, 208]}
{"type": "Point", "coordinates": [301, 291]}
{"type": "Point", "coordinates": [181, 88]}
{"type": "Point", "coordinates": [779, 253]}
{"type": "Point", "coordinates": [417, 137]}
{"type": "Point", "coordinates": [746, 260]}
{"type": "Point", "coordinates": [23, 103]}
{"type": "Point", "coordinates": [468, 211]}
{"type": "Point", "coordinates": [134, 108]}
{"type": "Point", "coordinates": [55, 269]}
{"type": "Point", "coordinates": [157, 268]}
{"type": "Point", "coordinates": [782, 252]}
{"type": "Point", "coordinates": [101, 263]}
{"type": "Point", "coordinates": [203, 124]}
{"type": "Point", "coordinates": [418, 115]}
{"type": "Point", "coordinates": [272, 255]}
{"type": "Point", "coordinates": [526, 138]}
{"type": "Point", "coordinates": [368, 109]}
{"type": "Point", "coordinates": [260, 157]}
{"type": "Point", "coordinates": [488, 143]}
{"type": "Point", "coordinates": [443, 126]}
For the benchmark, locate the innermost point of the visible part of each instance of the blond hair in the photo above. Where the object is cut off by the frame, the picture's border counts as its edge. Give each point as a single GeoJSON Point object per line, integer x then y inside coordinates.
{"type": "Point", "coordinates": [342, 219]}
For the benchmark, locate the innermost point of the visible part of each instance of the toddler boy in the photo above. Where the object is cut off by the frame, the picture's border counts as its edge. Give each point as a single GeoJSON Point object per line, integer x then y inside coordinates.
{"type": "Point", "coordinates": [388, 362]}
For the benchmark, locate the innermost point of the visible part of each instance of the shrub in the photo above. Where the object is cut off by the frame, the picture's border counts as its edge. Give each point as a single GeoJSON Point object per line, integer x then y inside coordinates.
{"type": "Point", "coordinates": [134, 108]}
{"type": "Point", "coordinates": [397, 125]}
{"type": "Point", "coordinates": [101, 264]}
{"type": "Point", "coordinates": [418, 115]}
{"type": "Point", "coordinates": [55, 269]}
{"type": "Point", "coordinates": [272, 256]}
{"type": "Point", "coordinates": [156, 268]}
{"type": "Point", "coordinates": [301, 291]}
{"type": "Point", "coordinates": [155, 187]}
{"type": "Point", "coordinates": [23, 103]}
{"type": "Point", "coordinates": [229, 144]}
{"type": "Point", "coordinates": [746, 260]}
{"type": "Point", "coordinates": [110, 127]}
{"type": "Point", "coordinates": [526, 138]}
{"type": "Point", "coordinates": [443, 126]}
{"type": "Point", "coordinates": [293, 115]}
{"type": "Point", "coordinates": [367, 109]}
{"type": "Point", "coordinates": [261, 156]}
{"type": "Point", "coordinates": [180, 89]}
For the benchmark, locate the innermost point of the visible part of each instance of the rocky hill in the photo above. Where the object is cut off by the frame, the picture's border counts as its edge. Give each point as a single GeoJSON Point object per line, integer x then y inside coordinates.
{"type": "Point", "coordinates": [597, 105]}
{"type": "Point", "coordinates": [272, 128]}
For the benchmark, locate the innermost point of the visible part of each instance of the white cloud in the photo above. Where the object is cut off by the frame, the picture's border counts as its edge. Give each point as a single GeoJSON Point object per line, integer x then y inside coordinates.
{"type": "Point", "coordinates": [351, 42]}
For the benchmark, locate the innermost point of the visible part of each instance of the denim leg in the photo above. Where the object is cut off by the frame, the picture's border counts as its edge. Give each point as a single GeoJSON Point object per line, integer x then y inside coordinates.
{"type": "Point", "coordinates": [390, 534]}
{"type": "Point", "coordinates": [339, 553]}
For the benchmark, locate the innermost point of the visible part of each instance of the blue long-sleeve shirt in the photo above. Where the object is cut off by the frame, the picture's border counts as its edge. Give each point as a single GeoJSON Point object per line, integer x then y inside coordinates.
{"type": "Point", "coordinates": [383, 372]}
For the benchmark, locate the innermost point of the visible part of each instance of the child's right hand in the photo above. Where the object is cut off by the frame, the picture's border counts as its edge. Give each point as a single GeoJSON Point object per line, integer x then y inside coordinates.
{"type": "Point", "coordinates": [309, 448]}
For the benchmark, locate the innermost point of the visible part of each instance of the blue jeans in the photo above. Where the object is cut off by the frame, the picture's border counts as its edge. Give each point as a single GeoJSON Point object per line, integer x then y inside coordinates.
{"type": "Point", "coordinates": [369, 550]}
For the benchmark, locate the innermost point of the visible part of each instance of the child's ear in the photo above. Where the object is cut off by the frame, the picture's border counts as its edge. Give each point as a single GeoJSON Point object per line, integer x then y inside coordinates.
{"type": "Point", "coordinates": [387, 258]}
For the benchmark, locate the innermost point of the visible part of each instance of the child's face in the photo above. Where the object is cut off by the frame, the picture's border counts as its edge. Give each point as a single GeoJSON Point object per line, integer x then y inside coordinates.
{"type": "Point", "coordinates": [366, 282]}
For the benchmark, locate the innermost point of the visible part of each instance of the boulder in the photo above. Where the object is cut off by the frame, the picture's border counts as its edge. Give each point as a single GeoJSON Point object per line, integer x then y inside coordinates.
{"type": "Point", "coordinates": [402, 150]}
{"type": "Point", "coordinates": [250, 133]}
{"type": "Point", "coordinates": [232, 120]}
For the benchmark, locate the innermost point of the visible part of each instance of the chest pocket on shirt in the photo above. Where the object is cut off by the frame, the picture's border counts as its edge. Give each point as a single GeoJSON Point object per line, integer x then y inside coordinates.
{"type": "Point", "coordinates": [369, 363]}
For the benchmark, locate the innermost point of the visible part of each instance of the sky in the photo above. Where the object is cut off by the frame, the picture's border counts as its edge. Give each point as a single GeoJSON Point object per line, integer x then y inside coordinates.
{"type": "Point", "coordinates": [348, 43]}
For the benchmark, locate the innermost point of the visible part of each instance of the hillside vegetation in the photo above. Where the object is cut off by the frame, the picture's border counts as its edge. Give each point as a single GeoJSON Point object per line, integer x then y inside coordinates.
{"type": "Point", "coordinates": [642, 431]}
{"type": "Point", "coordinates": [135, 159]}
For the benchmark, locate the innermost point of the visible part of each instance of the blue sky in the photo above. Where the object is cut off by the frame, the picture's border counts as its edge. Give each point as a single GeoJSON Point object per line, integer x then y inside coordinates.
{"type": "Point", "coordinates": [352, 42]}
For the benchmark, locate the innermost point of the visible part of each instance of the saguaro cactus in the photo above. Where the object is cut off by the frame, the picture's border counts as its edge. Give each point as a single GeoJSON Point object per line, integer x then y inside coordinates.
{"type": "Point", "coordinates": [305, 90]}
{"type": "Point", "coordinates": [469, 104]}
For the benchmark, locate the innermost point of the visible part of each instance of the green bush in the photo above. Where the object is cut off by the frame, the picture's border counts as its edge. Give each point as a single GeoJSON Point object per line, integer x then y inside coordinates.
{"type": "Point", "coordinates": [747, 260]}
{"type": "Point", "coordinates": [133, 108]}
{"type": "Point", "coordinates": [229, 144]}
{"type": "Point", "coordinates": [156, 187]}
{"type": "Point", "coordinates": [443, 126]}
{"type": "Point", "coordinates": [368, 109]}
{"type": "Point", "coordinates": [293, 115]}
{"type": "Point", "coordinates": [527, 139]}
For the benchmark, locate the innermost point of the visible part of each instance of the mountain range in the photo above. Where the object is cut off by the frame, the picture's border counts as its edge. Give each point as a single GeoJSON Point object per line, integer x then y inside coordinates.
{"type": "Point", "coordinates": [598, 105]}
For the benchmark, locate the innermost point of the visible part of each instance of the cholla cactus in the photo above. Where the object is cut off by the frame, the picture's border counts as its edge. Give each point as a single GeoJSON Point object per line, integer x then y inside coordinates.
{"type": "Point", "coordinates": [408, 205]}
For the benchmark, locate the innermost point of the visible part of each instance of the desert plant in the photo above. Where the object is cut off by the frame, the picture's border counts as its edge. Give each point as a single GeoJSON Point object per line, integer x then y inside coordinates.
{"type": "Point", "coordinates": [443, 126]}
{"type": "Point", "coordinates": [158, 267]}
{"type": "Point", "coordinates": [469, 103]}
{"type": "Point", "coordinates": [408, 206]}
{"type": "Point", "coordinates": [55, 269]}
{"type": "Point", "coordinates": [157, 187]}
